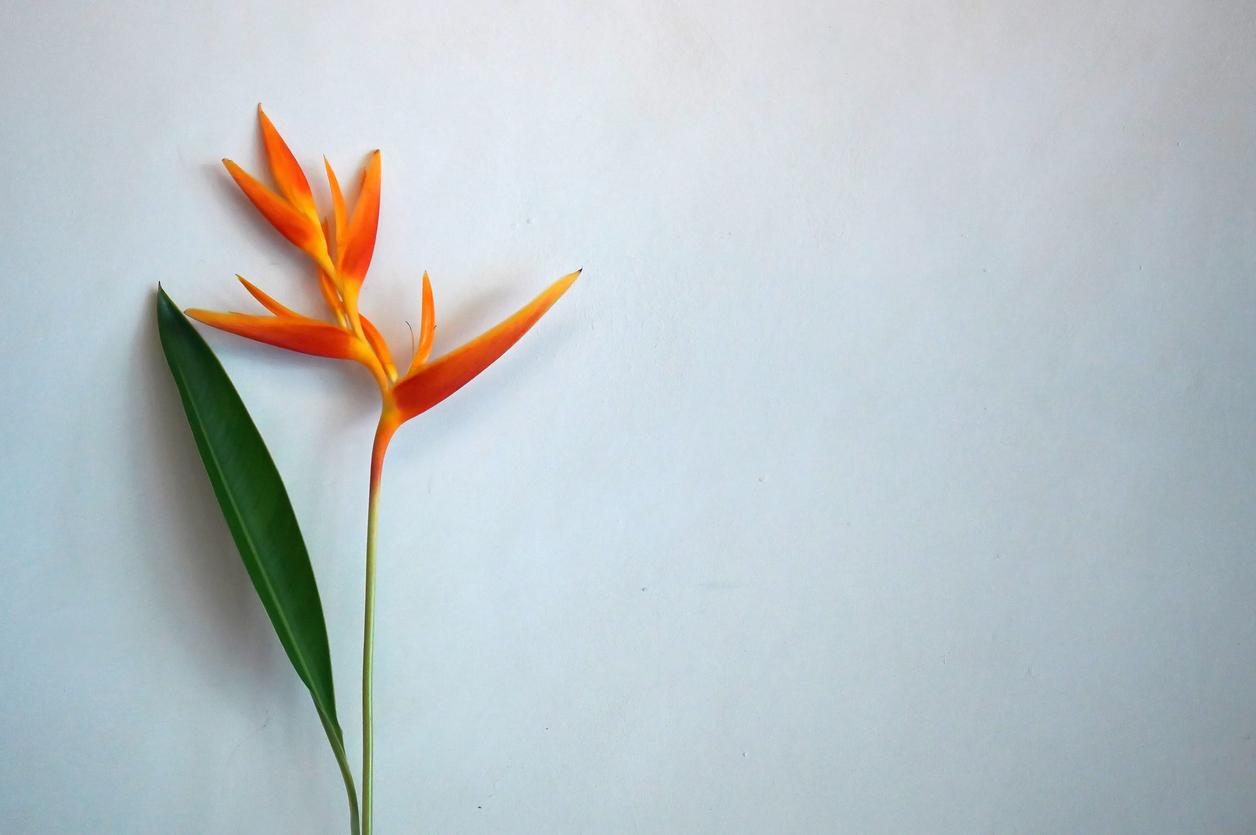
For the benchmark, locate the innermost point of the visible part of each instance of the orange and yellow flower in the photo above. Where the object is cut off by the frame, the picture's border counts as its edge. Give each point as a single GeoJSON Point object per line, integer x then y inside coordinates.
{"type": "Point", "coordinates": [341, 247]}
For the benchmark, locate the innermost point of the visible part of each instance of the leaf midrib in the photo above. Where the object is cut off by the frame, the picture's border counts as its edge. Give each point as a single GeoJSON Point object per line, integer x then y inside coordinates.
{"type": "Point", "coordinates": [270, 587]}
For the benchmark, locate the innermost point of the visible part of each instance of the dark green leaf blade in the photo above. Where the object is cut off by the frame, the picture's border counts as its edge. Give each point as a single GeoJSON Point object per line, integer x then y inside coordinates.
{"type": "Point", "coordinates": [253, 500]}
{"type": "Point", "coordinates": [258, 512]}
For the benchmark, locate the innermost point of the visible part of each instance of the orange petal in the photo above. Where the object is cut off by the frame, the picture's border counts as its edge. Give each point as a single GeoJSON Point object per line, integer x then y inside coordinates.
{"type": "Point", "coordinates": [331, 297]}
{"type": "Point", "coordinates": [285, 169]}
{"type": "Point", "coordinates": [376, 340]}
{"type": "Point", "coordinates": [295, 334]}
{"type": "Point", "coordinates": [423, 389]}
{"type": "Point", "coordinates": [296, 227]}
{"type": "Point", "coordinates": [427, 327]}
{"type": "Point", "coordinates": [338, 205]}
{"type": "Point", "coordinates": [359, 244]}
{"type": "Point", "coordinates": [266, 301]}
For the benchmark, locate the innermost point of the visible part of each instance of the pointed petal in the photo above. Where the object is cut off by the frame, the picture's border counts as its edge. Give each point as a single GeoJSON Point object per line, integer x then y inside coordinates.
{"type": "Point", "coordinates": [331, 297]}
{"type": "Point", "coordinates": [376, 340]}
{"type": "Point", "coordinates": [427, 327]}
{"type": "Point", "coordinates": [285, 169]}
{"type": "Point", "coordinates": [432, 383]}
{"type": "Point", "coordinates": [359, 245]}
{"type": "Point", "coordinates": [306, 336]}
{"type": "Point", "coordinates": [302, 231]}
{"type": "Point", "coordinates": [266, 301]}
{"type": "Point", "coordinates": [339, 211]}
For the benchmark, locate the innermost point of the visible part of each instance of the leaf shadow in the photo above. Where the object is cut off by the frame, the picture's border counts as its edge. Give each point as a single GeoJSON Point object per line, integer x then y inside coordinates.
{"type": "Point", "coordinates": [212, 610]}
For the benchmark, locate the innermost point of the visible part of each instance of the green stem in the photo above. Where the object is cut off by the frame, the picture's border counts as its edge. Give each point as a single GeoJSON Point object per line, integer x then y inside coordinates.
{"type": "Point", "coordinates": [338, 746]}
{"type": "Point", "coordinates": [368, 651]}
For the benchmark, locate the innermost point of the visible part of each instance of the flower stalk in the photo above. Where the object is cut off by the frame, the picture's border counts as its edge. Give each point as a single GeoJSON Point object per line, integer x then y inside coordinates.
{"type": "Point", "coordinates": [368, 657]}
{"type": "Point", "coordinates": [382, 435]}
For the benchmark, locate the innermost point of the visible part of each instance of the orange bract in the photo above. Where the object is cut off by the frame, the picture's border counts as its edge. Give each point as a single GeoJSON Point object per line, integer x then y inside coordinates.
{"type": "Point", "coordinates": [286, 170]}
{"type": "Point", "coordinates": [304, 233]}
{"type": "Point", "coordinates": [432, 382]}
{"type": "Point", "coordinates": [359, 244]}
{"type": "Point", "coordinates": [427, 327]}
{"type": "Point", "coordinates": [341, 247]}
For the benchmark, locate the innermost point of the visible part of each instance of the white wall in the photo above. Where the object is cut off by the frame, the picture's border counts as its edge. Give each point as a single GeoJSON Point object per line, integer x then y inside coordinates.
{"type": "Point", "coordinates": [889, 470]}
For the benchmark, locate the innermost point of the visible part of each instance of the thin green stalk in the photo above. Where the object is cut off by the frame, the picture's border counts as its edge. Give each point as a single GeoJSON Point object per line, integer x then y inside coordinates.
{"type": "Point", "coordinates": [368, 639]}
{"type": "Point", "coordinates": [368, 651]}
{"type": "Point", "coordinates": [337, 745]}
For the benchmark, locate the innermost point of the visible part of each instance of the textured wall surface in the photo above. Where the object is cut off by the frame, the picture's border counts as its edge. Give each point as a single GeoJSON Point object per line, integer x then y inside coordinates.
{"type": "Point", "coordinates": [891, 468]}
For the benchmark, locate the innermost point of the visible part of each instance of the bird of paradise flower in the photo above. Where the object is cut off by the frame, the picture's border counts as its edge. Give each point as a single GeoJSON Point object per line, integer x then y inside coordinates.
{"type": "Point", "coordinates": [341, 247]}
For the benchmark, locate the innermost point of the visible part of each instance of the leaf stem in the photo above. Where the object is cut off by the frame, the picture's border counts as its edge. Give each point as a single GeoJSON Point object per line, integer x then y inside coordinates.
{"type": "Point", "coordinates": [338, 747]}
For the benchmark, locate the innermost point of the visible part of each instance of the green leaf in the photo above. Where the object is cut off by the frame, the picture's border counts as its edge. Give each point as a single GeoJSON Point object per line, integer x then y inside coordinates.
{"type": "Point", "coordinates": [258, 512]}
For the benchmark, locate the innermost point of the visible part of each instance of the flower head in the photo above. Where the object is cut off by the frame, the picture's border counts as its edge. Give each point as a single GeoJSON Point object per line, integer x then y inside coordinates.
{"type": "Point", "coordinates": [340, 246]}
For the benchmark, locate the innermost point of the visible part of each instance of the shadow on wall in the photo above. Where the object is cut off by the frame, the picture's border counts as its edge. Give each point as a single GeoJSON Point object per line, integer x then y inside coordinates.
{"type": "Point", "coordinates": [202, 595]}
